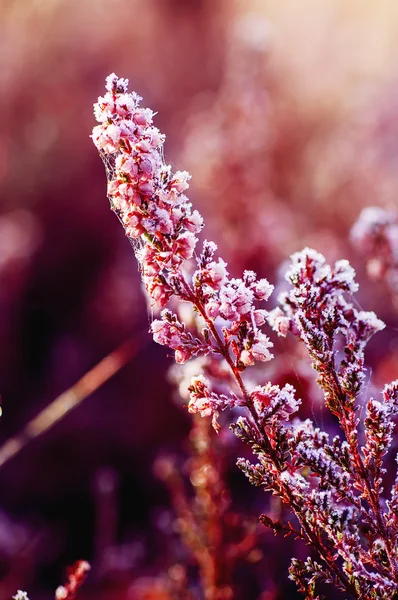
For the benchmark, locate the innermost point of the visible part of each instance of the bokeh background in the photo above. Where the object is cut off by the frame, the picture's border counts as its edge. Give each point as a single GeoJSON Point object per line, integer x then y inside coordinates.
{"type": "Point", "coordinates": [286, 115]}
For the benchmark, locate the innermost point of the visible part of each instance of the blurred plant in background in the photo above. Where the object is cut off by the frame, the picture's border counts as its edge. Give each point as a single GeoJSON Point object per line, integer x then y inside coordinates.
{"type": "Point", "coordinates": [216, 537]}
{"type": "Point", "coordinates": [376, 236]}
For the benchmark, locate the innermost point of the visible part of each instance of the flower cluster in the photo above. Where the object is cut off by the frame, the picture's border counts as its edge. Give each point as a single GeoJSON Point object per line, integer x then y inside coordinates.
{"type": "Point", "coordinates": [207, 403]}
{"type": "Point", "coordinates": [149, 199]}
{"type": "Point", "coordinates": [333, 487]}
{"type": "Point", "coordinates": [20, 595]}
{"type": "Point", "coordinates": [317, 311]}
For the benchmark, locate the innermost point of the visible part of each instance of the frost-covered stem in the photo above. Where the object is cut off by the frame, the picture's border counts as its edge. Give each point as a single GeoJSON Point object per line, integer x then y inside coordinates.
{"type": "Point", "coordinates": [360, 472]}
{"type": "Point", "coordinates": [346, 416]}
{"type": "Point", "coordinates": [221, 345]}
{"type": "Point", "coordinates": [310, 535]}
{"type": "Point", "coordinates": [315, 540]}
{"type": "Point", "coordinates": [224, 351]}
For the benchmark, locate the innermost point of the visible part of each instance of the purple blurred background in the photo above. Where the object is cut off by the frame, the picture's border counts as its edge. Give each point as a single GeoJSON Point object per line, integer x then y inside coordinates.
{"type": "Point", "coordinates": [286, 116]}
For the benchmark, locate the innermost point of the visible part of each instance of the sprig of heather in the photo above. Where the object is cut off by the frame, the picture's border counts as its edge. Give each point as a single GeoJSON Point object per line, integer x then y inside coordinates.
{"type": "Point", "coordinates": [317, 311]}
{"type": "Point", "coordinates": [157, 216]}
{"type": "Point", "coordinates": [333, 486]}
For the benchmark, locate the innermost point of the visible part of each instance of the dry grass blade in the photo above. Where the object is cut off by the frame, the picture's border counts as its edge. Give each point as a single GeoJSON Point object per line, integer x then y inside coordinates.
{"type": "Point", "coordinates": [72, 397]}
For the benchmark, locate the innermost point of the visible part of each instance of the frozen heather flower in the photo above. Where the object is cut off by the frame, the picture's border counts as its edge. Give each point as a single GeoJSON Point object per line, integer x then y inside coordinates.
{"type": "Point", "coordinates": [371, 220]}
{"type": "Point", "coordinates": [318, 311]}
{"type": "Point", "coordinates": [344, 274]}
{"type": "Point", "coordinates": [20, 595]}
{"type": "Point", "coordinates": [262, 289]}
{"type": "Point", "coordinates": [369, 324]}
{"type": "Point", "coordinates": [181, 375]}
{"type": "Point", "coordinates": [390, 394]}
{"type": "Point", "coordinates": [271, 400]}
{"type": "Point", "coordinates": [333, 487]}
{"type": "Point", "coordinates": [199, 395]}
{"type": "Point", "coordinates": [257, 351]}
{"type": "Point", "coordinates": [142, 189]}
{"type": "Point", "coordinates": [169, 331]}
{"type": "Point", "coordinates": [206, 402]}
{"type": "Point", "coordinates": [236, 299]}
{"type": "Point", "coordinates": [215, 274]}
{"type": "Point", "coordinates": [166, 334]}
{"type": "Point", "coordinates": [115, 84]}
{"type": "Point", "coordinates": [212, 308]}
{"type": "Point", "coordinates": [246, 358]}
{"type": "Point", "coordinates": [295, 481]}
{"type": "Point", "coordinates": [307, 263]}
{"type": "Point", "coordinates": [279, 322]}
{"type": "Point", "coordinates": [260, 317]}
{"type": "Point", "coordinates": [260, 349]}
{"type": "Point", "coordinates": [180, 181]}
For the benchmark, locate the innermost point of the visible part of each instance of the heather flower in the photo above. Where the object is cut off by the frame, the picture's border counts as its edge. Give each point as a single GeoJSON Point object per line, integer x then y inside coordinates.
{"type": "Point", "coordinates": [280, 322]}
{"type": "Point", "coordinates": [146, 196]}
{"type": "Point", "coordinates": [390, 394]}
{"type": "Point", "coordinates": [256, 349]}
{"type": "Point", "coordinates": [262, 289]}
{"type": "Point", "coordinates": [207, 403]}
{"type": "Point", "coordinates": [20, 595]}
{"type": "Point", "coordinates": [269, 400]}
{"type": "Point", "coordinates": [215, 274]}
{"type": "Point", "coordinates": [317, 311]}
{"type": "Point", "coordinates": [169, 331]}
{"type": "Point", "coordinates": [344, 491]}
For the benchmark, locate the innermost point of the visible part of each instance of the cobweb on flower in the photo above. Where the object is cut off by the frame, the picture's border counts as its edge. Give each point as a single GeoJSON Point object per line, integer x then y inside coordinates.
{"type": "Point", "coordinates": [137, 243]}
{"type": "Point", "coordinates": [109, 164]}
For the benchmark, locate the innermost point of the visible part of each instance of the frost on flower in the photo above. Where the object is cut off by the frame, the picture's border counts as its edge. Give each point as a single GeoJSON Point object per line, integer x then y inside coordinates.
{"type": "Point", "coordinates": [390, 395]}
{"type": "Point", "coordinates": [206, 402]}
{"type": "Point", "coordinates": [317, 310]}
{"type": "Point", "coordinates": [169, 331]}
{"type": "Point", "coordinates": [20, 595]}
{"type": "Point", "coordinates": [271, 401]}
{"type": "Point", "coordinates": [158, 218]}
{"type": "Point", "coordinates": [148, 198]}
{"type": "Point", "coordinates": [371, 220]}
